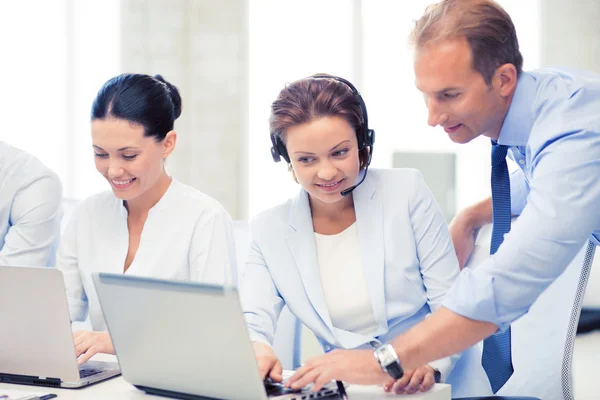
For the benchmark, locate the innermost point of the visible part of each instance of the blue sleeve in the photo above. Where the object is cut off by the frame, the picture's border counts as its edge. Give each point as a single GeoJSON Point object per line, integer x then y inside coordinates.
{"type": "Point", "coordinates": [519, 190]}
{"type": "Point", "coordinates": [561, 212]}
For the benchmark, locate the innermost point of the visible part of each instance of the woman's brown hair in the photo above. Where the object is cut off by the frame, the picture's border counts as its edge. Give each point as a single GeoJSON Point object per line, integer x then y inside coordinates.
{"type": "Point", "coordinates": [314, 97]}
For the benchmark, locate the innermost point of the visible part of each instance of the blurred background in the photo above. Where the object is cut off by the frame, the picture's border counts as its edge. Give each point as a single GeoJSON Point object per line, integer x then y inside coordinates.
{"type": "Point", "coordinates": [229, 59]}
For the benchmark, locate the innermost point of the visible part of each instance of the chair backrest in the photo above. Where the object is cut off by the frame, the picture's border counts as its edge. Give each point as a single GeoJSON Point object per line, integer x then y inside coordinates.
{"type": "Point", "coordinates": [287, 341]}
{"type": "Point", "coordinates": [591, 300]}
{"type": "Point", "coordinates": [69, 206]}
{"type": "Point", "coordinates": [543, 339]}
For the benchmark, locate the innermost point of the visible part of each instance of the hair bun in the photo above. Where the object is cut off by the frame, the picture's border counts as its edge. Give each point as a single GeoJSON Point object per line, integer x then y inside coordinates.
{"type": "Point", "coordinates": [173, 93]}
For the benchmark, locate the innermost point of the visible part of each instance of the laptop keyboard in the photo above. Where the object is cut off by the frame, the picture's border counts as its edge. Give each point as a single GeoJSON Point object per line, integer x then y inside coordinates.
{"type": "Point", "coordinates": [84, 373]}
{"type": "Point", "coordinates": [277, 389]}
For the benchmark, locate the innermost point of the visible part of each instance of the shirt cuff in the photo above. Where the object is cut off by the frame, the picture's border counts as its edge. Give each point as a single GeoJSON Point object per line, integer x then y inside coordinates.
{"type": "Point", "coordinates": [78, 309]}
{"type": "Point", "coordinates": [444, 365]}
{"type": "Point", "coordinates": [255, 337]}
{"type": "Point", "coordinates": [472, 296]}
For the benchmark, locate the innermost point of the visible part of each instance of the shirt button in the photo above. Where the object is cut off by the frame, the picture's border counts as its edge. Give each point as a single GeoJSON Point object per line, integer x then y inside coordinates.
{"type": "Point", "coordinates": [522, 162]}
{"type": "Point", "coordinates": [327, 348]}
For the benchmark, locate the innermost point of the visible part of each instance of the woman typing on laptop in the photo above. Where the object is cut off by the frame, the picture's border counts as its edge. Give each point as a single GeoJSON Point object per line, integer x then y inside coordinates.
{"type": "Point", "coordinates": [149, 224]}
{"type": "Point", "coordinates": [357, 257]}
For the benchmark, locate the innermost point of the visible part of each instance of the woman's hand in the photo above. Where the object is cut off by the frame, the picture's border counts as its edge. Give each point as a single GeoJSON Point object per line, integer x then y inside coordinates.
{"type": "Point", "coordinates": [89, 343]}
{"type": "Point", "coordinates": [268, 363]}
{"type": "Point", "coordinates": [420, 379]}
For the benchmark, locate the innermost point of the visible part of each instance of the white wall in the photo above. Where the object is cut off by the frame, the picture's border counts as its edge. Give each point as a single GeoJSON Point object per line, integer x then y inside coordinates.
{"type": "Point", "coordinates": [570, 34]}
{"type": "Point", "coordinates": [229, 59]}
{"type": "Point", "coordinates": [201, 47]}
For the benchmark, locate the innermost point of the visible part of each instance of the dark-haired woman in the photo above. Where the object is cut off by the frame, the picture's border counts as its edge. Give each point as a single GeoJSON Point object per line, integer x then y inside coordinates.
{"type": "Point", "coordinates": [149, 224]}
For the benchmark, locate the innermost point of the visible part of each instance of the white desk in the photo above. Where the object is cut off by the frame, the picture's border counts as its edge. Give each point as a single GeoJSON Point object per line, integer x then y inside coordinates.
{"type": "Point", "coordinates": [119, 389]}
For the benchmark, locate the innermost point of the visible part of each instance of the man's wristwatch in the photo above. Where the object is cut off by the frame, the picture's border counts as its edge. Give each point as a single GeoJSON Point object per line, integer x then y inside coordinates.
{"type": "Point", "coordinates": [388, 360]}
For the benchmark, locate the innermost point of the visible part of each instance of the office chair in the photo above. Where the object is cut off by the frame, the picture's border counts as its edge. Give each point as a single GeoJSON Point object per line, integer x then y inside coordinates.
{"type": "Point", "coordinates": [590, 311]}
{"type": "Point", "coordinates": [543, 339]}
{"type": "Point", "coordinates": [589, 320]}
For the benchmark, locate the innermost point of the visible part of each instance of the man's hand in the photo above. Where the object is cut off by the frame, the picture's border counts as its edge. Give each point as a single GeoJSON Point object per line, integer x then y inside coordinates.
{"type": "Point", "coordinates": [352, 366]}
{"type": "Point", "coordinates": [89, 343]}
{"type": "Point", "coordinates": [463, 238]}
{"type": "Point", "coordinates": [267, 361]}
{"type": "Point", "coordinates": [464, 226]}
{"type": "Point", "coordinates": [420, 379]}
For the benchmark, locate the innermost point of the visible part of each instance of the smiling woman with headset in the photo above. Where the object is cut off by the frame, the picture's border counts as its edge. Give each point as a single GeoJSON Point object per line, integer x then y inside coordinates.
{"type": "Point", "coordinates": [357, 257]}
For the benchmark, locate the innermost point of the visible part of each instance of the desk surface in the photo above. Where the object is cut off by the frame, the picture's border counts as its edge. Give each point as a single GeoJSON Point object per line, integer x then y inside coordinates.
{"type": "Point", "coordinates": [119, 389]}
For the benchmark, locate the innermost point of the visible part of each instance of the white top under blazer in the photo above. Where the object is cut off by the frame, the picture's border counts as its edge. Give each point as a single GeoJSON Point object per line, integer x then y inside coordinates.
{"type": "Point", "coordinates": [344, 283]}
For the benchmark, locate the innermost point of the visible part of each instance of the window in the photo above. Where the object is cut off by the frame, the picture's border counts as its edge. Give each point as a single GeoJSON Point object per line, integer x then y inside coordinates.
{"type": "Point", "coordinates": [59, 56]}
{"type": "Point", "coordinates": [289, 40]}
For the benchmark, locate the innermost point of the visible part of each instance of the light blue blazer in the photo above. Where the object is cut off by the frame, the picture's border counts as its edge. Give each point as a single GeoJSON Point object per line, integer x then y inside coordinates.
{"type": "Point", "coordinates": [407, 255]}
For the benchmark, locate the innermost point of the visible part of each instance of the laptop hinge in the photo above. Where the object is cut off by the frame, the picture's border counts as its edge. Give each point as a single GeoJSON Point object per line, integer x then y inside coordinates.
{"type": "Point", "coordinates": [29, 380]}
{"type": "Point", "coordinates": [169, 393]}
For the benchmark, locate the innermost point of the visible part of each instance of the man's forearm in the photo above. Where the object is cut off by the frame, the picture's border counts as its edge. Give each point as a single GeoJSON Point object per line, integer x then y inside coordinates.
{"type": "Point", "coordinates": [442, 334]}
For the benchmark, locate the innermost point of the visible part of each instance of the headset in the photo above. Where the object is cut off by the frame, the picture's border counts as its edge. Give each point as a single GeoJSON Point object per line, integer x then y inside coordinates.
{"type": "Point", "coordinates": [365, 136]}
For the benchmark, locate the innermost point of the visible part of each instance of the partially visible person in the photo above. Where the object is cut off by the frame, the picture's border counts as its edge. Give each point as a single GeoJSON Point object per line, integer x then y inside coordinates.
{"type": "Point", "coordinates": [30, 212]}
{"type": "Point", "coordinates": [149, 224]}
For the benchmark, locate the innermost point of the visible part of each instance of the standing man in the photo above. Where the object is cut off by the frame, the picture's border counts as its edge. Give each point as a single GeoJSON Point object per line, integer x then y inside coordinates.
{"type": "Point", "coordinates": [30, 197]}
{"type": "Point", "coordinates": [469, 68]}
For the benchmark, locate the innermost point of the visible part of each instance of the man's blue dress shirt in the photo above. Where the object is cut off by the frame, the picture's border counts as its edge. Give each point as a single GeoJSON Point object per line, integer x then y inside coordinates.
{"type": "Point", "coordinates": [553, 130]}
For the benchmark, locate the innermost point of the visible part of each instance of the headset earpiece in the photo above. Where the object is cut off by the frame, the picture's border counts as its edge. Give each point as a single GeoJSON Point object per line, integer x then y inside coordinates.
{"type": "Point", "coordinates": [370, 138]}
{"type": "Point", "coordinates": [278, 150]}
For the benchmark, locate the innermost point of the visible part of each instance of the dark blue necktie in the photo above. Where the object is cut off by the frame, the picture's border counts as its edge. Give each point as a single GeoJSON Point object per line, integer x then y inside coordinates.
{"type": "Point", "coordinates": [496, 359]}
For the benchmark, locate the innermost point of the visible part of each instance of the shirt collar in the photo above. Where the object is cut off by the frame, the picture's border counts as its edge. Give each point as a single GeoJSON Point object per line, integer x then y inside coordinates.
{"type": "Point", "coordinates": [519, 119]}
{"type": "Point", "coordinates": [163, 202]}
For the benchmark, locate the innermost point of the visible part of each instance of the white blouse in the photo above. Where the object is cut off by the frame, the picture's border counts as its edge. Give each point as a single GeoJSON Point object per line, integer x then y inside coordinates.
{"type": "Point", "coordinates": [343, 282]}
{"type": "Point", "coordinates": [187, 236]}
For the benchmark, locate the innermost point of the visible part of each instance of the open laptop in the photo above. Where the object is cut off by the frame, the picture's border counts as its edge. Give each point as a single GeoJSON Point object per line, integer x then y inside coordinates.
{"type": "Point", "coordinates": [185, 340]}
{"type": "Point", "coordinates": [36, 341]}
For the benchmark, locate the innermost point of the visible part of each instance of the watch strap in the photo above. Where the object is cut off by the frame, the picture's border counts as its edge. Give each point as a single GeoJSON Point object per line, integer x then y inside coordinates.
{"type": "Point", "coordinates": [395, 370]}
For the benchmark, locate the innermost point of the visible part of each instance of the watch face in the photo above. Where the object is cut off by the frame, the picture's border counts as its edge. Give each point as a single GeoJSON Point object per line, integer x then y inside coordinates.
{"type": "Point", "coordinates": [386, 357]}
